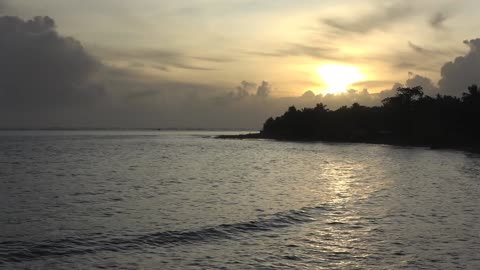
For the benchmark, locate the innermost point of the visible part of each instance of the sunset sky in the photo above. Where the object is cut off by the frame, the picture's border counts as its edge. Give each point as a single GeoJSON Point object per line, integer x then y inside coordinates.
{"type": "Point", "coordinates": [209, 47]}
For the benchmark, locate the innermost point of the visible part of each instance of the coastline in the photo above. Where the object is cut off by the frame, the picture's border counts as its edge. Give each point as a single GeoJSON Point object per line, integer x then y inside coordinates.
{"type": "Point", "coordinates": [384, 141]}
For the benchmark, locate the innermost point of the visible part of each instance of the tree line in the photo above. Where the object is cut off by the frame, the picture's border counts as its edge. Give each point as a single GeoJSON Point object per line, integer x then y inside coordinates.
{"type": "Point", "coordinates": [409, 118]}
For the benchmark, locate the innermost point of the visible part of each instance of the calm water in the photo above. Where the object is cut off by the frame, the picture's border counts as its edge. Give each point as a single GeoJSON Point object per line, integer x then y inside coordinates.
{"type": "Point", "coordinates": [183, 200]}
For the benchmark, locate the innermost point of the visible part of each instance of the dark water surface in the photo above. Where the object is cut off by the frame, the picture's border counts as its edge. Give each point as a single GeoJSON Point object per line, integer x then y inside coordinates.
{"type": "Point", "coordinates": [183, 200]}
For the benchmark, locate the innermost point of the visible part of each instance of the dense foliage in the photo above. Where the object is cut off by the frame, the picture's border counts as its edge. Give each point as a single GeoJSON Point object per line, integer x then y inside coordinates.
{"type": "Point", "coordinates": [409, 117]}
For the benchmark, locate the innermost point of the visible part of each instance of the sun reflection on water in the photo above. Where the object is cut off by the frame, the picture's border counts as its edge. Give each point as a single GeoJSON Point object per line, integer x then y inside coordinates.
{"type": "Point", "coordinates": [341, 232]}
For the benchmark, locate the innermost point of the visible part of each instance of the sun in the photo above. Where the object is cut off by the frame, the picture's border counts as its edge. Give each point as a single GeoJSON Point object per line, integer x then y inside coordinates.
{"type": "Point", "coordinates": [338, 77]}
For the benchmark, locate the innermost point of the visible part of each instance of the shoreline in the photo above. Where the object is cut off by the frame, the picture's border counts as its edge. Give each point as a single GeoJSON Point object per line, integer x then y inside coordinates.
{"type": "Point", "coordinates": [384, 141]}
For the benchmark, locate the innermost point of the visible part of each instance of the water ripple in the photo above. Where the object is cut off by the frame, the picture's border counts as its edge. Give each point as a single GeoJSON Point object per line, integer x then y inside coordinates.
{"type": "Point", "coordinates": [18, 251]}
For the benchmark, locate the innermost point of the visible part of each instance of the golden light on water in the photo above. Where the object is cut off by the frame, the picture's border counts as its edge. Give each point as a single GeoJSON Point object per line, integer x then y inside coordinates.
{"type": "Point", "coordinates": [338, 77]}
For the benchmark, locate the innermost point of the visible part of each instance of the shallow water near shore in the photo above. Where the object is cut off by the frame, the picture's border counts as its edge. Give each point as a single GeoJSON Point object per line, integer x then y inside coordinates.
{"type": "Point", "coordinates": [185, 200]}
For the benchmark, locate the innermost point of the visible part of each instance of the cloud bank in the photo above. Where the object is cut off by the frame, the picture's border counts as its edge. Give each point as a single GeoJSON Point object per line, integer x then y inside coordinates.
{"type": "Point", "coordinates": [49, 80]}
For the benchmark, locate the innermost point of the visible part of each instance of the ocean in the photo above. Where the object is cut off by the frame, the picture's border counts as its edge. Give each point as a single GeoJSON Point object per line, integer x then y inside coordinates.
{"type": "Point", "coordinates": [185, 200]}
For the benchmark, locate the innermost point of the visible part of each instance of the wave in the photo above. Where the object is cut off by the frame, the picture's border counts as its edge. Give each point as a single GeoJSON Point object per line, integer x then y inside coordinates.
{"type": "Point", "coordinates": [19, 251]}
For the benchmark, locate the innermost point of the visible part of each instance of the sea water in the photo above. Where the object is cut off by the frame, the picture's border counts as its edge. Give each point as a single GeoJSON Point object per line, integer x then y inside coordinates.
{"type": "Point", "coordinates": [185, 200]}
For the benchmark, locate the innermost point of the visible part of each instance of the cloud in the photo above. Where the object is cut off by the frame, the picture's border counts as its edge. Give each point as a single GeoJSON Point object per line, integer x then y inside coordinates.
{"type": "Point", "coordinates": [264, 90]}
{"type": "Point", "coordinates": [427, 84]}
{"type": "Point", "coordinates": [419, 58]}
{"type": "Point", "coordinates": [456, 75]}
{"type": "Point", "coordinates": [244, 89]}
{"type": "Point", "coordinates": [308, 94]}
{"type": "Point", "coordinates": [41, 70]}
{"type": "Point", "coordinates": [213, 59]}
{"type": "Point", "coordinates": [251, 111]}
{"type": "Point", "coordinates": [161, 59]}
{"type": "Point", "coordinates": [462, 72]}
{"type": "Point", "coordinates": [405, 65]}
{"type": "Point", "coordinates": [418, 49]}
{"type": "Point", "coordinates": [4, 6]}
{"type": "Point", "coordinates": [437, 20]}
{"type": "Point", "coordinates": [429, 51]}
{"type": "Point", "coordinates": [371, 84]}
{"type": "Point", "coordinates": [191, 67]}
{"type": "Point", "coordinates": [312, 51]}
{"type": "Point", "coordinates": [317, 52]}
{"type": "Point", "coordinates": [47, 79]}
{"type": "Point", "coordinates": [381, 18]}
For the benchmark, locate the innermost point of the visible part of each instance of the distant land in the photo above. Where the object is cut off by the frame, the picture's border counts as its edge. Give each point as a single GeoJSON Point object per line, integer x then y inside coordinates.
{"type": "Point", "coordinates": [409, 118]}
{"type": "Point", "coordinates": [118, 129]}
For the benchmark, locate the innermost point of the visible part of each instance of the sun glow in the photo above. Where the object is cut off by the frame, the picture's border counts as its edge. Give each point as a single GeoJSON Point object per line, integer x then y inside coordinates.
{"type": "Point", "coordinates": [338, 78]}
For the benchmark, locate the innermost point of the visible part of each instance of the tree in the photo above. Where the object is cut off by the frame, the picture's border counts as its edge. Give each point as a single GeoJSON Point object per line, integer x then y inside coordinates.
{"type": "Point", "coordinates": [405, 96]}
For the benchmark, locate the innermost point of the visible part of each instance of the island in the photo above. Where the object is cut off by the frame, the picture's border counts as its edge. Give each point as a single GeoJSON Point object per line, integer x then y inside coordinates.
{"type": "Point", "coordinates": [408, 118]}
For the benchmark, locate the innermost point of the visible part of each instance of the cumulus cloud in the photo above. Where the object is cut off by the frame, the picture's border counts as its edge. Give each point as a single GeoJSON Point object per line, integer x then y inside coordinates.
{"type": "Point", "coordinates": [427, 84]}
{"type": "Point", "coordinates": [264, 90]}
{"type": "Point", "coordinates": [456, 75]}
{"type": "Point", "coordinates": [308, 94]}
{"type": "Point", "coordinates": [41, 70]}
{"type": "Point", "coordinates": [245, 88]}
{"type": "Point", "coordinates": [462, 72]}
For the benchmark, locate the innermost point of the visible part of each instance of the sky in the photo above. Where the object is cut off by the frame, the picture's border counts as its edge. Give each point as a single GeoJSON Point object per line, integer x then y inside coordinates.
{"type": "Point", "coordinates": [223, 63]}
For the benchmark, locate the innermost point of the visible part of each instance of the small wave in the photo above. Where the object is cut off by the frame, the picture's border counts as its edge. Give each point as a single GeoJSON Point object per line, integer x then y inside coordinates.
{"type": "Point", "coordinates": [18, 251]}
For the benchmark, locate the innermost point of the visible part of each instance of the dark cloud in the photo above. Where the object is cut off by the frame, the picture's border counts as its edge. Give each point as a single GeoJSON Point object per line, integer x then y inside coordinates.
{"type": "Point", "coordinates": [41, 70]}
{"type": "Point", "coordinates": [191, 67]}
{"type": "Point", "coordinates": [164, 60]}
{"type": "Point", "coordinates": [430, 51]}
{"type": "Point", "coordinates": [464, 71]}
{"type": "Point", "coordinates": [317, 52]}
{"type": "Point", "coordinates": [418, 58]}
{"type": "Point", "coordinates": [405, 65]}
{"type": "Point", "coordinates": [213, 59]}
{"type": "Point", "coordinates": [308, 94]}
{"type": "Point", "coordinates": [312, 51]}
{"type": "Point", "coordinates": [371, 84]}
{"type": "Point", "coordinates": [244, 89]}
{"type": "Point", "coordinates": [264, 89]}
{"type": "Point", "coordinates": [382, 18]}
{"type": "Point", "coordinates": [437, 20]}
{"type": "Point", "coordinates": [418, 48]}
{"type": "Point", "coordinates": [456, 75]}
{"type": "Point", "coordinates": [427, 84]}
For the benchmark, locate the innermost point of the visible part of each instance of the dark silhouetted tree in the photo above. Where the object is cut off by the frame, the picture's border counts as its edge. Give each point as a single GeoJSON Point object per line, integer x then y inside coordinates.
{"type": "Point", "coordinates": [409, 117]}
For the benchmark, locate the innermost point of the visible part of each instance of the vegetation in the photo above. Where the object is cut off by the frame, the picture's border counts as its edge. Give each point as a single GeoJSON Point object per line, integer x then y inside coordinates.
{"type": "Point", "coordinates": [408, 118]}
